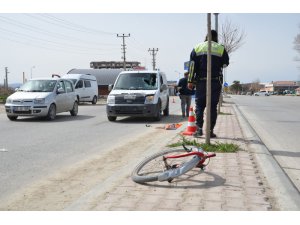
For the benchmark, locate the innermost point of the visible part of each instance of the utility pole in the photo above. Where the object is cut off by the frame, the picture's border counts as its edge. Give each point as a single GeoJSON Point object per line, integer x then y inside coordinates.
{"type": "Point", "coordinates": [153, 52]}
{"type": "Point", "coordinates": [124, 49]}
{"type": "Point", "coordinates": [216, 29]}
{"type": "Point", "coordinates": [208, 81]}
{"type": "Point", "coordinates": [6, 79]}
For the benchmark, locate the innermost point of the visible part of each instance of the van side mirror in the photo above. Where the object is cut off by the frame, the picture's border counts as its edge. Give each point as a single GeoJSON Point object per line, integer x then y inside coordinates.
{"type": "Point", "coordinates": [163, 87]}
{"type": "Point", "coordinates": [110, 87]}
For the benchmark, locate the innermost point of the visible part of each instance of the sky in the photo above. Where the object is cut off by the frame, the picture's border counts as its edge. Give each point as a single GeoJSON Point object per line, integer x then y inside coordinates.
{"type": "Point", "coordinates": [40, 44]}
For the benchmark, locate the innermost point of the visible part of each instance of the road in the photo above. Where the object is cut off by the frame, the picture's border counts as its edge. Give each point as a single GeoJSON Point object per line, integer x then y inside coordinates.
{"type": "Point", "coordinates": [276, 119]}
{"type": "Point", "coordinates": [32, 149]}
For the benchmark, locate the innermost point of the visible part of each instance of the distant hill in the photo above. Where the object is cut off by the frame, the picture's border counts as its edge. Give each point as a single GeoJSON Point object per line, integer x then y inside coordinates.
{"type": "Point", "coordinates": [12, 85]}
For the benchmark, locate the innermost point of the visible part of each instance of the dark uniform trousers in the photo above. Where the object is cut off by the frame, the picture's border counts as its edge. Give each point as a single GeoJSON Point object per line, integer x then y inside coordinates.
{"type": "Point", "coordinates": [200, 99]}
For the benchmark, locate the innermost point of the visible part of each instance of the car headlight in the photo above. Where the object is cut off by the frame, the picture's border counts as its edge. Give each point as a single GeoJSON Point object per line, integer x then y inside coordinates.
{"type": "Point", "coordinates": [8, 100]}
{"type": "Point", "coordinates": [149, 99]}
{"type": "Point", "coordinates": [111, 99]}
{"type": "Point", "coordinates": [39, 101]}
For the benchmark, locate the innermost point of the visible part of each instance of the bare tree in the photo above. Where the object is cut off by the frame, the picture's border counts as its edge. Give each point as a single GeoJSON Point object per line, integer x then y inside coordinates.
{"type": "Point", "coordinates": [297, 46]}
{"type": "Point", "coordinates": [231, 36]}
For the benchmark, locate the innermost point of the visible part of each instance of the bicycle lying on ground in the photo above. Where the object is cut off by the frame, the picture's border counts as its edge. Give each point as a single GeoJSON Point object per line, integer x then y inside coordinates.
{"type": "Point", "coordinates": [169, 164]}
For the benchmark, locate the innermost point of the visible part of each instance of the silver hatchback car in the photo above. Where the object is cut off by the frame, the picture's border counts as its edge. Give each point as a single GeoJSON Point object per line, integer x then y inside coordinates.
{"type": "Point", "coordinates": [44, 97]}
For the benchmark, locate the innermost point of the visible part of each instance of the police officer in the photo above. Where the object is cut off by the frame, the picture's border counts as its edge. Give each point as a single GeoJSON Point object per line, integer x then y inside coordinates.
{"type": "Point", "coordinates": [198, 75]}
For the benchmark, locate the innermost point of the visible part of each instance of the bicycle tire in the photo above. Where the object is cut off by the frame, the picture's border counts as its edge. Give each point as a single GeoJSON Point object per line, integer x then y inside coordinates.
{"type": "Point", "coordinates": [150, 176]}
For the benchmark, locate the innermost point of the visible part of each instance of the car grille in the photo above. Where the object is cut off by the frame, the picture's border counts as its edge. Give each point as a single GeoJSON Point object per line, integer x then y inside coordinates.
{"type": "Point", "coordinates": [21, 101]}
{"type": "Point", "coordinates": [121, 99]}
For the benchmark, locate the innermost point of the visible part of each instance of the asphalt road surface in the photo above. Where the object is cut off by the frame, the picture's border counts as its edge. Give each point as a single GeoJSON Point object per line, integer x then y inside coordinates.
{"type": "Point", "coordinates": [276, 119]}
{"type": "Point", "coordinates": [33, 148]}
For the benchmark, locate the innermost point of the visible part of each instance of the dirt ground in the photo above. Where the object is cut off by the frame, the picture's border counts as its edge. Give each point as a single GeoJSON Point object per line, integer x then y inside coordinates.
{"type": "Point", "coordinates": [60, 190]}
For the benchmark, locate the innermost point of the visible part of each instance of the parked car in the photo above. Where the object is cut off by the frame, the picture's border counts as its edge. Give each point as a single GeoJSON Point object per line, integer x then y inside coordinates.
{"type": "Point", "coordinates": [44, 97]}
{"type": "Point", "coordinates": [261, 93]}
{"type": "Point", "coordinates": [86, 87]}
{"type": "Point", "coordinates": [138, 93]}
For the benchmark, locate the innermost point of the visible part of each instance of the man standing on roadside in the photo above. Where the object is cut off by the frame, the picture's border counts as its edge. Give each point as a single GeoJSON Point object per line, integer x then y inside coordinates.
{"type": "Point", "coordinates": [198, 75]}
{"type": "Point", "coordinates": [185, 95]}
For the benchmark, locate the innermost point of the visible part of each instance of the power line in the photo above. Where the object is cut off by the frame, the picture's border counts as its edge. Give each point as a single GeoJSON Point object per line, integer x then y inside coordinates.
{"type": "Point", "coordinates": [73, 26]}
{"type": "Point", "coordinates": [153, 52]}
{"type": "Point", "coordinates": [46, 32]}
{"type": "Point", "coordinates": [124, 49]}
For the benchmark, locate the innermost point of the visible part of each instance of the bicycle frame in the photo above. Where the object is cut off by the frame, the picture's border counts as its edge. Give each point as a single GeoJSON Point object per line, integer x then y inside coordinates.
{"type": "Point", "coordinates": [198, 159]}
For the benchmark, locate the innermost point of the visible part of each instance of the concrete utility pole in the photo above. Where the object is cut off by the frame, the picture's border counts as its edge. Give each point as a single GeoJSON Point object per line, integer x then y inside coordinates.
{"type": "Point", "coordinates": [217, 29]}
{"type": "Point", "coordinates": [6, 79]}
{"type": "Point", "coordinates": [153, 52]}
{"type": "Point", "coordinates": [208, 81]}
{"type": "Point", "coordinates": [124, 49]}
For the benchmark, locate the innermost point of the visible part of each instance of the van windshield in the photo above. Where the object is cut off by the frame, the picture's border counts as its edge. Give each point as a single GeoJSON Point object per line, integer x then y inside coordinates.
{"type": "Point", "coordinates": [136, 81]}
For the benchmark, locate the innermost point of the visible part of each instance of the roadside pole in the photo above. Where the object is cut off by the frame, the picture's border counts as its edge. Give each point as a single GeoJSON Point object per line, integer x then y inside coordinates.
{"type": "Point", "coordinates": [208, 81]}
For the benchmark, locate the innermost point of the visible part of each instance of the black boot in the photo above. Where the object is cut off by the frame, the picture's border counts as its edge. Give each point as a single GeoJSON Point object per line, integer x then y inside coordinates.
{"type": "Point", "coordinates": [198, 133]}
{"type": "Point", "coordinates": [212, 134]}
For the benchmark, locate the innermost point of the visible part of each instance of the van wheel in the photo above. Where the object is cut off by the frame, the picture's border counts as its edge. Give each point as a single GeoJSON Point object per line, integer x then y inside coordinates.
{"type": "Point", "coordinates": [166, 110]}
{"type": "Point", "coordinates": [112, 118]}
{"type": "Point", "coordinates": [74, 111]}
{"type": "Point", "coordinates": [94, 100]}
{"type": "Point", "coordinates": [158, 112]}
{"type": "Point", "coordinates": [51, 113]}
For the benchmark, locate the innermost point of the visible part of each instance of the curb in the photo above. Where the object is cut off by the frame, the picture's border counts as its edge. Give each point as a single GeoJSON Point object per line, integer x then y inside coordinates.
{"type": "Point", "coordinates": [285, 193]}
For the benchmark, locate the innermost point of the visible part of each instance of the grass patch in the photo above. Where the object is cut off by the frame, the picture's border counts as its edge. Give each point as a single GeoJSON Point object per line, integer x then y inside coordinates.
{"type": "Point", "coordinates": [216, 147]}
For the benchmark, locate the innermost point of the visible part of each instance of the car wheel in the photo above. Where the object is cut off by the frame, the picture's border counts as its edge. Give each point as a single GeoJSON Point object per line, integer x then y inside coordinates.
{"type": "Point", "coordinates": [158, 112]}
{"type": "Point", "coordinates": [94, 100]}
{"type": "Point", "coordinates": [166, 110]}
{"type": "Point", "coordinates": [74, 111]}
{"type": "Point", "coordinates": [112, 118]}
{"type": "Point", "coordinates": [51, 113]}
{"type": "Point", "coordinates": [12, 118]}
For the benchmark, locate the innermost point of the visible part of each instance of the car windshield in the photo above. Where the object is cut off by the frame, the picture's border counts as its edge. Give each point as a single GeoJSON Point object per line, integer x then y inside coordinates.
{"type": "Point", "coordinates": [38, 86]}
{"type": "Point", "coordinates": [136, 81]}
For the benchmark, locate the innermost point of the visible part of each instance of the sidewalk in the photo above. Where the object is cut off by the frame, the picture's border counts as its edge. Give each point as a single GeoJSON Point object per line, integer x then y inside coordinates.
{"type": "Point", "coordinates": [232, 181]}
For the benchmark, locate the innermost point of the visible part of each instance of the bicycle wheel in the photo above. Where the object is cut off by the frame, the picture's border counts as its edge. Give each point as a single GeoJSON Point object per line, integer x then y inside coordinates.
{"type": "Point", "coordinates": [151, 167]}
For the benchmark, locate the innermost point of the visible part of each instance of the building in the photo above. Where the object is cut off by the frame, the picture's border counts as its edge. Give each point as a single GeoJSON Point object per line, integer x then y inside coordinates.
{"type": "Point", "coordinates": [104, 77]}
{"type": "Point", "coordinates": [281, 86]}
{"type": "Point", "coordinates": [114, 65]}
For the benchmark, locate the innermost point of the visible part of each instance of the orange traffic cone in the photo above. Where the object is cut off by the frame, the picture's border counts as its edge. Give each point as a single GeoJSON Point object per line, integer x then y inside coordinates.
{"type": "Point", "coordinates": [191, 128]}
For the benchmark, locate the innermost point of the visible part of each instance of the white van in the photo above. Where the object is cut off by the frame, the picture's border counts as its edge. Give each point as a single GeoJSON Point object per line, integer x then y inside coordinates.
{"type": "Point", "coordinates": [86, 87]}
{"type": "Point", "coordinates": [138, 93]}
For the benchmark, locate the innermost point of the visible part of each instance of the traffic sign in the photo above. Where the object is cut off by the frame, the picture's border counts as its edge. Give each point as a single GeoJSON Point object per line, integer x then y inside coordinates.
{"type": "Point", "coordinates": [186, 65]}
{"type": "Point", "coordinates": [225, 84]}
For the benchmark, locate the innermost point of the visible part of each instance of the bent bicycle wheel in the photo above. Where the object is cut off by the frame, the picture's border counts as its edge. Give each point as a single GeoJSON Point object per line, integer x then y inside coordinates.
{"type": "Point", "coordinates": [151, 167]}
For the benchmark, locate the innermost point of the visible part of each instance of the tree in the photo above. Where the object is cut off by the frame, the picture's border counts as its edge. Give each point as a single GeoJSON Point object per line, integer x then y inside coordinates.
{"type": "Point", "coordinates": [236, 87]}
{"type": "Point", "coordinates": [231, 37]}
{"type": "Point", "coordinates": [297, 46]}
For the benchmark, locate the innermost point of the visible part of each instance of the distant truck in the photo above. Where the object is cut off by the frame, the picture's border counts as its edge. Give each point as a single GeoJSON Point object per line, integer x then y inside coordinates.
{"type": "Point", "coordinates": [86, 87]}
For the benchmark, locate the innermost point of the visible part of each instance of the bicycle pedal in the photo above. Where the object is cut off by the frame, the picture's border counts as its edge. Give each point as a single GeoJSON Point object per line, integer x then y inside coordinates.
{"type": "Point", "coordinates": [202, 167]}
{"type": "Point", "coordinates": [170, 180]}
{"type": "Point", "coordinates": [175, 166]}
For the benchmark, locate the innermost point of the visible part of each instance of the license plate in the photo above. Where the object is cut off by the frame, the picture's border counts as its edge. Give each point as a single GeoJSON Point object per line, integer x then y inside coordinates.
{"type": "Point", "coordinates": [22, 108]}
{"type": "Point", "coordinates": [130, 97]}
